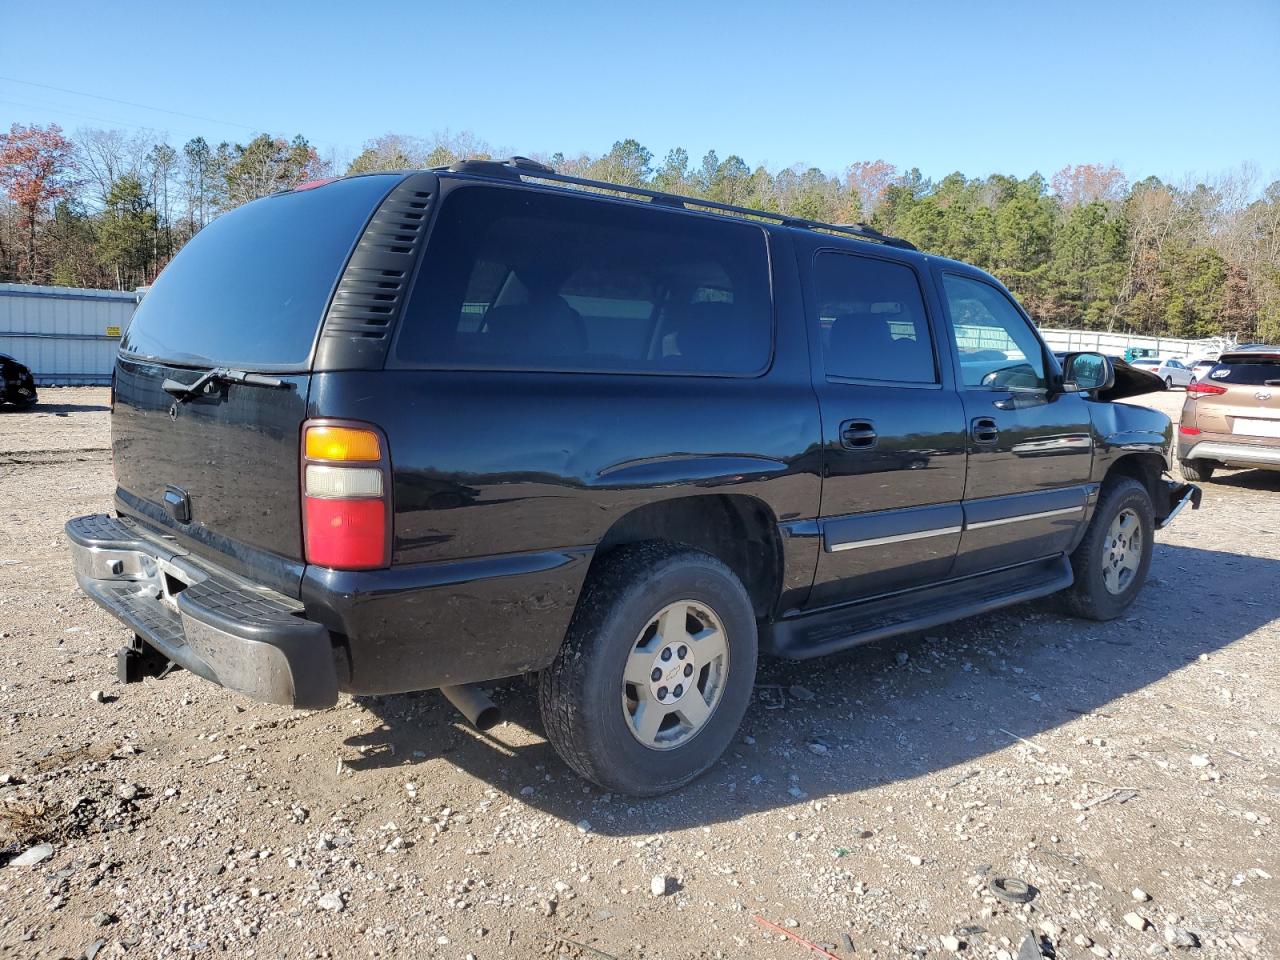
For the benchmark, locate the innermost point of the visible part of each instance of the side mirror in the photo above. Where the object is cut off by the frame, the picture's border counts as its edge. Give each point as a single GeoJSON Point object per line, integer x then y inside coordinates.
{"type": "Point", "coordinates": [1087, 372]}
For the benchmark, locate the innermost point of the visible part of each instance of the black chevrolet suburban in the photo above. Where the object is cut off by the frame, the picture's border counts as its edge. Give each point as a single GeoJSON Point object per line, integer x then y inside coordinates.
{"type": "Point", "coordinates": [418, 430]}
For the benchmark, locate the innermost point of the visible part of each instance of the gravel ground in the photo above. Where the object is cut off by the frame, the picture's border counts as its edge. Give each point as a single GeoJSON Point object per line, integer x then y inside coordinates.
{"type": "Point", "coordinates": [1129, 772]}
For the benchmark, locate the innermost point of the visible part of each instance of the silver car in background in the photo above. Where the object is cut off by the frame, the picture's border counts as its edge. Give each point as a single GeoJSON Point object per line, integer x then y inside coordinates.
{"type": "Point", "coordinates": [1171, 370]}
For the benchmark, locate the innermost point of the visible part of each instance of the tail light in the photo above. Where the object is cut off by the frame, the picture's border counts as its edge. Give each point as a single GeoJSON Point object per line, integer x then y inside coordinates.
{"type": "Point", "coordinates": [1189, 431]}
{"type": "Point", "coordinates": [1202, 389]}
{"type": "Point", "coordinates": [346, 494]}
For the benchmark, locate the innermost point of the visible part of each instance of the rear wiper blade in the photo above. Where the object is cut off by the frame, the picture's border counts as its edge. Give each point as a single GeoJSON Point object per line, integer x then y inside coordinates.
{"type": "Point", "coordinates": [185, 391]}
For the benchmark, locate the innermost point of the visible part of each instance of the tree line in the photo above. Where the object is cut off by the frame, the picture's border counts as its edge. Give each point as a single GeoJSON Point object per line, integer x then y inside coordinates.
{"type": "Point", "coordinates": [1084, 248]}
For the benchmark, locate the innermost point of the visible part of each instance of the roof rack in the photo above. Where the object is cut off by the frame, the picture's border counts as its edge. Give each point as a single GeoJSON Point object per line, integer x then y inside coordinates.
{"type": "Point", "coordinates": [522, 168]}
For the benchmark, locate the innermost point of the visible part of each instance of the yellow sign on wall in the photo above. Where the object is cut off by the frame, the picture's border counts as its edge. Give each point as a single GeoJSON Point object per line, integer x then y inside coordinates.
{"type": "Point", "coordinates": [113, 331]}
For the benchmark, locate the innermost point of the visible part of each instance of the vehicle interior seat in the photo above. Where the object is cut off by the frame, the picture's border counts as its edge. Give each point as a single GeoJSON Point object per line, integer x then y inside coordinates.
{"type": "Point", "coordinates": [544, 328]}
{"type": "Point", "coordinates": [709, 337]}
{"type": "Point", "coordinates": [862, 345]}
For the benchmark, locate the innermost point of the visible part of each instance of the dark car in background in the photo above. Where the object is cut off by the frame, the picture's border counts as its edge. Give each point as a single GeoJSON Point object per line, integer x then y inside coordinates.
{"type": "Point", "coordinates": [405, 431]}
{"type": "Point", "coordinates": [17, 385]}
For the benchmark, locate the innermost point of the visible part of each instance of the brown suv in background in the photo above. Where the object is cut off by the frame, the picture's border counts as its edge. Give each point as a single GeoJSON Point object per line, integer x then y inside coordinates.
{"type": "Point", "coordinates": [1231, 416]}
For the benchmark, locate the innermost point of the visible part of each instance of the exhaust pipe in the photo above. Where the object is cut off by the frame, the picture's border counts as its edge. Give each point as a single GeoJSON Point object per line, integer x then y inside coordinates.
{"type": "Point", "coordinates": [474, 704]}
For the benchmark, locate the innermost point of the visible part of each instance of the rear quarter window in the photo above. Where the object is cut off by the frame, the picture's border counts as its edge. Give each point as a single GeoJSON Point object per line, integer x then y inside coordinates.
{"type": "Point", "coordinates": [524, 280]}
{"type": "Point", "coordinates": [251, 288]}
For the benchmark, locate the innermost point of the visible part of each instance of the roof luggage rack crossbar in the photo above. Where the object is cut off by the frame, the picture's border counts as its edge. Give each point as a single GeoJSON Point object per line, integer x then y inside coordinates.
{"type": "Point", "coordinates": [522, 168]}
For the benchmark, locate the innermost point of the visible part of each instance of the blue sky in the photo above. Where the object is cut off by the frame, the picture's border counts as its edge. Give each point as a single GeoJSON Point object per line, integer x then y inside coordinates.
{"type": "Point", "coordinates": [1170, 88]}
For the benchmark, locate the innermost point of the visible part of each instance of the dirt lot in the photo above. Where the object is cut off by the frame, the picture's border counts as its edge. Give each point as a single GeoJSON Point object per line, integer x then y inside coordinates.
{"type": "Point", "coordinates": [876, 794]}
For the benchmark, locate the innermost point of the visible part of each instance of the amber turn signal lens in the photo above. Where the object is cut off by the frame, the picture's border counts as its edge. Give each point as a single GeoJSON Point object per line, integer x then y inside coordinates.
{"type": "Point", "coordinates": [342, 443]}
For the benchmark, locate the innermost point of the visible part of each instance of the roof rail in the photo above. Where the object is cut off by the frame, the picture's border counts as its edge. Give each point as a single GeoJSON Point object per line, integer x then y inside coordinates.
{"type": "Point", "coordinates": [522, 168]}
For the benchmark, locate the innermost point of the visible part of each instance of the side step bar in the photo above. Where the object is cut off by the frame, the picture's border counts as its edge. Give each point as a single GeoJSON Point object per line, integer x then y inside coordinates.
{"type": "Point", "coordinates": [827, 631]}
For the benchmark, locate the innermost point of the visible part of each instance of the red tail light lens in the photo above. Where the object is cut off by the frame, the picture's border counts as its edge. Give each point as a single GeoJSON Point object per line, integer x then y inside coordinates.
{"type": "Point", "coordinates": [346, 534]}
{"type": "Point", "coordinates": [346, 510]}
{"type": "Point", "coordinates": [1189, 431]}
{"type": "Point", "coordinates": [1202, 389]}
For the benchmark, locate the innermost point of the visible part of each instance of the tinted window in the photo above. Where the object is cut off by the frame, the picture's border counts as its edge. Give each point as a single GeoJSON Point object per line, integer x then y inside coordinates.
{"type": "Point", "coordinates": [521, 280]}
{"type": "Point", "coordinates": [872, 320]}
{"type": "Point", "coordinates": [251, 288]}
{"type": "Point", "coordinates": [998, 348]}
{"type": "Point", "coordinates": [1252, 373]}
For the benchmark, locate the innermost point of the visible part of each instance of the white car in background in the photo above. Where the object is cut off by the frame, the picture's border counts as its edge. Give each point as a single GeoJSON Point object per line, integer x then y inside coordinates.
{"type": "Point", "coordinates": [1171, 370]}
{"type": "Point", "coordinates": [1200, 368]}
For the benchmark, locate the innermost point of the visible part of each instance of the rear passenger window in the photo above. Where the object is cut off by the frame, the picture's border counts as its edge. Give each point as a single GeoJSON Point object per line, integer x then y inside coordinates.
{"type": "Point", "coordinates": [515, 279]}
{"type": "Point", "coordinates": [872, 320]}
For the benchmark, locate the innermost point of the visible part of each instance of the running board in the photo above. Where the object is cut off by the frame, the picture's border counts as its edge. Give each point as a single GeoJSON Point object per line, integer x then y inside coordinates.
{"type": "Point", "coordinates": [827, 631]}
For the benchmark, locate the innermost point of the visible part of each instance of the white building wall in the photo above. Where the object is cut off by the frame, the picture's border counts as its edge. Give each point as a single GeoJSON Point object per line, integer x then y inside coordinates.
{"type": "Point", "coordinates": [66, 335]}
{"type": "Point", "coordinates": [1115, 344]}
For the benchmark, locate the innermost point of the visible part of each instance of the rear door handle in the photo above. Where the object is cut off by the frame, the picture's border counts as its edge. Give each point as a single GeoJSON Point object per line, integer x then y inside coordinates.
{"type": "Point", "coordinates": [857, 434]}
{"type": "Point", "coordinates": [984, 430]}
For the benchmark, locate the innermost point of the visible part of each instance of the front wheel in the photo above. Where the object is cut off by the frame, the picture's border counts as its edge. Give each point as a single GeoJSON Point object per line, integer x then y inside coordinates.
{"type": "Point", "coordinates": [655, 672]}
{"type": "Point", "coordinates": [1112, 560]}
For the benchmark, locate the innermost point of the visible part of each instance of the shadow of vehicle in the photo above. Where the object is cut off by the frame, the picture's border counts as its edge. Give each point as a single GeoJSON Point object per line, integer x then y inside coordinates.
{"type": "Point", "coordinates": [56, 408]}
{"type": "Point", "coordinates": [1266, 480]}
{"type": "Point", "coordinates": [873, 719]}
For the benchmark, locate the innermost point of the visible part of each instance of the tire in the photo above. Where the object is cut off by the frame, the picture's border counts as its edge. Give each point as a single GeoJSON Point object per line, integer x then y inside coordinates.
{"type": "Point", "coordinates": [1168, 383]}
{"type": "Point", "coordinates": [594, 715]}
{"type": "Point", "coordinates": [1197, 471]}
{"type": "Point", "coordinates": [1107, 578]}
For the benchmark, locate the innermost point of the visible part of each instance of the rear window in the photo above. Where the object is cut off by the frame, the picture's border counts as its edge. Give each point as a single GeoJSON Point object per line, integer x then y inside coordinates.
{"type": "Point", "coordinates": [518, 280]}
{"type": "Point", "coordinates": [1250, 373]}
{"type": "Point", "coordinates": [251, 288]}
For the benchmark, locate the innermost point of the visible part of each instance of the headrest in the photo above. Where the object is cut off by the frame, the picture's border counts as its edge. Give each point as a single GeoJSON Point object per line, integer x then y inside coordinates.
{"type": "Point", "coordinates": [546, 328]}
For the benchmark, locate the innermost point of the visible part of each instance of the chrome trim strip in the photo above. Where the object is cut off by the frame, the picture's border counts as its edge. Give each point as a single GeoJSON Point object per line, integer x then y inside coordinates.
{"type": "Point", "coordinates": [896, 538]}
{"type": "Point", "coordinates": [1186, 498]}
{"type": "Point", "coordinates": [1024, 516]}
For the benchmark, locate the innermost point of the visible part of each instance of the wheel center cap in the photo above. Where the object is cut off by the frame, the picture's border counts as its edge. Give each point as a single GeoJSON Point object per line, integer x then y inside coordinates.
{"type": "Point", "coordinates": [672, 673]}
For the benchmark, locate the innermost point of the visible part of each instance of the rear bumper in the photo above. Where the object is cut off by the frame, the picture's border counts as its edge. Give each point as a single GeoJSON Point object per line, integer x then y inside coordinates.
{"type": "Point", "coordinates": [239, 635]}
{"type": "Point", "coordinates": [1244, 454]}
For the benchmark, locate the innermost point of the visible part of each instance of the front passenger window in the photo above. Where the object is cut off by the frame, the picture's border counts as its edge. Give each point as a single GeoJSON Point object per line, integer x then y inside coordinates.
{"type": "Point", "coordinates": [998, 348]}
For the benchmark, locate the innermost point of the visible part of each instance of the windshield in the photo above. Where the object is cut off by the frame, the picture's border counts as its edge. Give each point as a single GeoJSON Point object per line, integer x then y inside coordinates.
{"type": "Point", "coordinates": [250, 289]}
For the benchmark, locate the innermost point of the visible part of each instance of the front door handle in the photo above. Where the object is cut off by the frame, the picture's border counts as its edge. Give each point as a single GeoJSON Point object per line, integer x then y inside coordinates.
{"type": "Point", "coordinates": [984, 430]}
{"type": "Point", "coordinates": [857, 434]}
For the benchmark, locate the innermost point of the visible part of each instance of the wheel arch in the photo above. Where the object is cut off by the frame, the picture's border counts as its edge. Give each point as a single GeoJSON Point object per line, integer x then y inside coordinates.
{"type": "Point", "coordinates": [1145, 466]}
{"type": "Point", "coordinates": [741, 531]}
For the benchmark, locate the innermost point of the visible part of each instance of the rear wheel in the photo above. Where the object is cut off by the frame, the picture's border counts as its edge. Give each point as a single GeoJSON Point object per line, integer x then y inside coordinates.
{"type": "Point", "coordinates": [1197, 471]}
{"type": "Point", "coordinates": [1168, 383]}
{"type": "Point", "coordinates": [1112, 560]}
{"type": "Point", "coordinates": [655, 672]}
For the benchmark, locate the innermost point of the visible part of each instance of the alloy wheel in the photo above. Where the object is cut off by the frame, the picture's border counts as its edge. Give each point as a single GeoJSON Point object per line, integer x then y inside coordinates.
{"type": "Point", "coordinates": [1123, 552]}
{"type": "Point", "coordinates": [675, 675]}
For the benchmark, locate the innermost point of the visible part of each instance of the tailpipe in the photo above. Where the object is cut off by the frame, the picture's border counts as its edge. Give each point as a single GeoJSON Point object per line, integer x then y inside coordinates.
{"type": "Point", "coordinates": [474, 704]}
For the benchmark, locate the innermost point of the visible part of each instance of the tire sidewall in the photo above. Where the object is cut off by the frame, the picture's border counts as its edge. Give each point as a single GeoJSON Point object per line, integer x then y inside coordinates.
{"type": "Point", "coordinates": [1197, 471]}
{"type": "Point", "coordinates": [685, 575]}
{"type": "Point", "coordinates": [1133, 496]}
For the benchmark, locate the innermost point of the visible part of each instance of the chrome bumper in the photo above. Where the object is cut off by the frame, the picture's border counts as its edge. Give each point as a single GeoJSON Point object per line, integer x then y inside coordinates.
{"type": "Point", "coordinates": [238, 635]}
{"type": "Point", "coordinates": [1248, 454]}
{"type": "Point", "coordinates": [1180, 494]}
